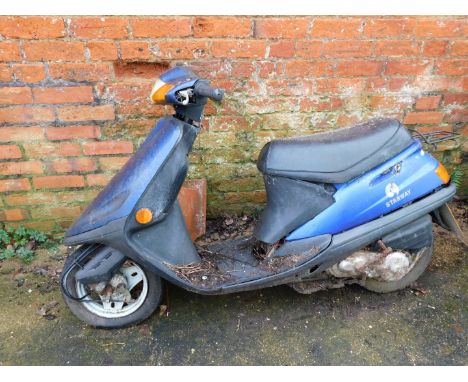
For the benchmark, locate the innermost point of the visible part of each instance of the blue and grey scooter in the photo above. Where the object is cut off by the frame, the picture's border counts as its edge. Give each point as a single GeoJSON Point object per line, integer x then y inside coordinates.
{"type": "Point", "coordinates": [354, 205]}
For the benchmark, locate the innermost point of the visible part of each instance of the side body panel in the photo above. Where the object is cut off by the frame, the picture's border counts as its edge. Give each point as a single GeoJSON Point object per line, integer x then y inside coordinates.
{"type": "Point", "coordinates": [405, 178]}
{"type": "Point", "coordinates": [285, 210]}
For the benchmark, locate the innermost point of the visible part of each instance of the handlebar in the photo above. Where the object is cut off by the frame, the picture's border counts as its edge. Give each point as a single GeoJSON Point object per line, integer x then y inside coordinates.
{"type": "Point", "coordinates": [202, 89]}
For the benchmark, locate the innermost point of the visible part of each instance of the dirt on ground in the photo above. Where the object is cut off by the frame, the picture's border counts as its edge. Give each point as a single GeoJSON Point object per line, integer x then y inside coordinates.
{"type": "Point", "coordinates": [422, 325]}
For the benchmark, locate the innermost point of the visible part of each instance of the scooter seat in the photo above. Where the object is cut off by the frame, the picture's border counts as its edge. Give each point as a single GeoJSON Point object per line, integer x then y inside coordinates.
{"type": "Point", "coordinates": [337, 156]}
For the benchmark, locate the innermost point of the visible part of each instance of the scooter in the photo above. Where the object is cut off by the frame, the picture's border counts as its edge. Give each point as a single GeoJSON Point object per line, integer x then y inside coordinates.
{"type": "Point", "coordinates": [354, 205]}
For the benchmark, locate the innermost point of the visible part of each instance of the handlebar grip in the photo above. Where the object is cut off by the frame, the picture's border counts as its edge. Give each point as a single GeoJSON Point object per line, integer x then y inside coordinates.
{"type": "Point", "coordinates": [204, 90]}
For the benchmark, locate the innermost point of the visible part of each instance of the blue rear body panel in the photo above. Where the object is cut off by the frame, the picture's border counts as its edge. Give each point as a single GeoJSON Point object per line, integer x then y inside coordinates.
{"type": "Point", "coordinates": [376, 193]}
{"type": "Point", "coordinates": [119, 197]}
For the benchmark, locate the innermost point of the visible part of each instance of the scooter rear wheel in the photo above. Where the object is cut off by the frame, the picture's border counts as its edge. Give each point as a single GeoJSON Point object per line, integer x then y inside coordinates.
{"type": "Point", "coordinates": [391, 286]}
{"type": "Point", "coordinates": [145, 287]}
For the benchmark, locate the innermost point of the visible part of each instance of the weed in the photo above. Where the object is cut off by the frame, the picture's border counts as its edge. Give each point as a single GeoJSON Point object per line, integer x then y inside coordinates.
{"type": "Point", "coordinates": [21, 242]}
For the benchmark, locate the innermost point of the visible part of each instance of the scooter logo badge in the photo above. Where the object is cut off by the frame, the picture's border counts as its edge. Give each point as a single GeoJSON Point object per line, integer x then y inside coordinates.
{"type": "Point", "coordinates": [391, 190]}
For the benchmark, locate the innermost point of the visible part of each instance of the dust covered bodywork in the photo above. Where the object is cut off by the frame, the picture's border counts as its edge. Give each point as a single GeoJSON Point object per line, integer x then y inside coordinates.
{"type": "Point", "coordinates": [323, 214]}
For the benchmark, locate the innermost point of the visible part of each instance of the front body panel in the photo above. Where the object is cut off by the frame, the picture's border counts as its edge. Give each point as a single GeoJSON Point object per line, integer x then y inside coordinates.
{"type": "Point", "coordinates": [407, 177]}
{"type": "Point", "coordinates": [119, 197]}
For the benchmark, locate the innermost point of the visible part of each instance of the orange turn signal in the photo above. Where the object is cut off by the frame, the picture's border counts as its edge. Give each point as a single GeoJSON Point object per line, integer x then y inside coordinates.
{"type": "Point", "coordinates": [144, 216]}
{"type": "Point", "coordinates": [442, 173]}
{"type": "Point", "coordinates": [160, 89]}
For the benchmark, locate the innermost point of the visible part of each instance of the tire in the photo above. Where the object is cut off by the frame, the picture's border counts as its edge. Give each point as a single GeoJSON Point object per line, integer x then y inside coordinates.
{"type": "Point", "coordinates": [147, 307]}
{"type": "Point", "coordinates": [392, 286]}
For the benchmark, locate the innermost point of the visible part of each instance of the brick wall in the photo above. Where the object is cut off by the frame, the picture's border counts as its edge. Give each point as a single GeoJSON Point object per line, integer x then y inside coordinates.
{"type": "Point", "coordinates": [73, 95]}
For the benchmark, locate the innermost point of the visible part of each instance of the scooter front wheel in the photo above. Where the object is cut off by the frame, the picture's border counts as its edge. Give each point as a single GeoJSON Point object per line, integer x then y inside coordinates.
{"type": "Point", "coordinates": [136, 294]}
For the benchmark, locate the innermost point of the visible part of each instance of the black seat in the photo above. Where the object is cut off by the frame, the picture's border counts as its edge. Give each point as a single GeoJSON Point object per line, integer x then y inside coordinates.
{"type": "Point", "coordinates": [337, 156]}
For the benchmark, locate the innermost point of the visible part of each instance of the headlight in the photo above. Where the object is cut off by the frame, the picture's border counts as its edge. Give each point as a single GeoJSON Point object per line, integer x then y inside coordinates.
{"type": "Point", "coordinates": [160, 89]}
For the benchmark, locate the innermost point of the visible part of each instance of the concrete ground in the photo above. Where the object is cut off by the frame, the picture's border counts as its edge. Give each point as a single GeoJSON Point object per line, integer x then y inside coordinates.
{"type": "Point", "coordinates": [424, 325]}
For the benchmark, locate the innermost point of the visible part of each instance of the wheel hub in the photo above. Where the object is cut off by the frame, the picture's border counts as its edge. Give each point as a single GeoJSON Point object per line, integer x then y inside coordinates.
{"type": "Point", "coordinates": [122, 295]}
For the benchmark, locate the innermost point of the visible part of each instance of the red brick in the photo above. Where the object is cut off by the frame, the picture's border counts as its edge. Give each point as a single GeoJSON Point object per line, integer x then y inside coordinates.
{"type": "Point", "coordinates": [73, 165]}
{"type": "Point", "coordinates": [432, 83]}
{"type": "Point", "coordinates": [309, 48]}
{"type": "Point", "coordinates": [216, 69]}
{"type": "Point", "coordinates": [29, 73]}
{"type": "Point", "coordinates": [227, 123]}
{"type": "Point", "coordinates": [134, 50]}
{"type": "Point", "coordinates": [386, 102]}
{"type": "Point", "coordinates": [407, 67]}
{"type": "Point", "coordinates": [15, 95]}
{"type": "Point", "coordinates": [437, 27]}
{"type": "Point", "coordinates": [388, 27]}
{"type": "Point", "coordinates": [11, 134]}
{"type": "Point", "coordinates": [456, 99]}
{"type": "Point", "coordinates": [423, 117]}
{"type": "Point", "coordinates": [47, 150]}
{"type": "Point", "coordinates": [432, 129]}
{"type": "Point", "coordinates": [161, 27]}
{"type": "Point", "coordinates": [86, 113]}
{"type": "Point", "coordinates": [269, 69]}
{"type": "Point", "coordinates": [338, 85]}
{"type": "Point", "coordinates": [463, 84]}
{"type": "Point", "coordinates": [112, 163]}
{"type": "Point", "coordinates": [5, 73]}
{"type": "Point", "coordinates": [338, 27]}
{"type": "Point", "coordinates": [270, 105]}
{"type": "Point", "coordinates": [80, 72]}
{"type": "Point", "coordinates": [99, 27]}
{"type": "Point", "coordinates": [320, 104]}
{"type": "Point", "coordinates": [457, 116]}
{"type": "Point", "coordinates": [61, 95]}
{"type": "Point", "coordinates": [14, 114]}
{"type": "Point", "coordinates": [282, 49]}
{"type": "Point", "coordinates": [107, 147]}
{"type": "Point", "coordinates": [141, 108]}
{"type": "Point", "coordinates": [59, 181]}
{"type": "Point", "coordinates": [135, 70]}
{"type": "Point", "coordinates": [45, 212]}
{"type": "Point", "coordinates": [428, 103]}
{"type": "Point", "coordinates": [15, 214]}
{"type": "Point", "coordinates": [221, 27]}
{"type": "Point", "coordinates": [459, 48]}
{"type": "Point", "coordinates": [181, 49]}
{"type": "Point", "coordinates": [98, 179]}
{"type": "Point", "coordinates": [396, 48]}
{"type": "Point", "coordinates": [239, 48]}
{"type": "Point", "coordinates": [352, 48]}
{"type": "Point", "coordinates": [72, 132]}
{"type": "Point", "coordinates": [15, 168]}
{"type": "Point", "coordinates": [192, 199]}
{"type": "Point", "coordinates": [242, 69]}
{"type": "Point", "coordinates": [299, 68]}
{"type": "Point", "coordinates": [434, 48]}
{"type": "Point", "coordinates": [10, 152]}
{"type": "Point", "coordinates": [29, 199]}
{"type": "Point", "coordinates": [288, 87]}
{"type": "Point", "coordinates": [54, 50]}
{"type": "Point", "coordinates": [32, 27]}
{"type": "Point", "coordinates": [7, 185]}
{"type": "Point", "coordinates": [9, 51]}
{"type": "Point", "coordinates": [281, 27]}
{"type": "Point", "coordinates": [126, 91]}
{"type": "Point", "coordinates": [359, 68]}
{"type": "Point", "coordinates": [102, 50]}
{"type": "Point", "coordinates": [452, 67]}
